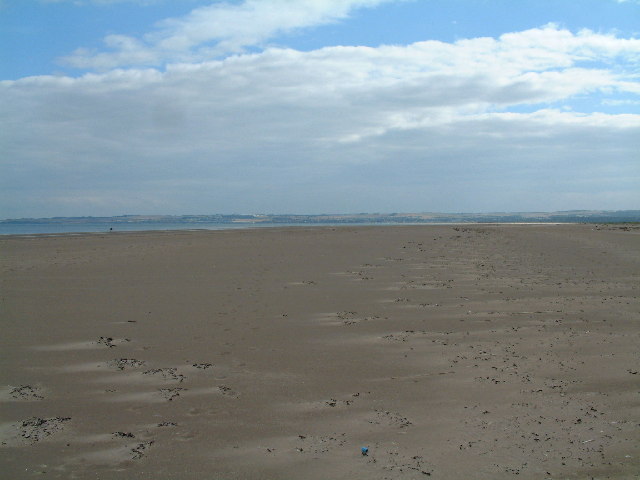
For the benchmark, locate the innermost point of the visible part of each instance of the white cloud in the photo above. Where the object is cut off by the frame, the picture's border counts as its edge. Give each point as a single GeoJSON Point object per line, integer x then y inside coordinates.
{"type": "Point", "coordinates": [215, 30]}
{"type": "Point", "coordinates": [340, 128]}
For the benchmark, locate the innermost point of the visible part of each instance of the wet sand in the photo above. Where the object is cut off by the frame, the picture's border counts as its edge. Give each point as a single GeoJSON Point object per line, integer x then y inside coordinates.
{"type": "Point", "coordinates": [477, 352]}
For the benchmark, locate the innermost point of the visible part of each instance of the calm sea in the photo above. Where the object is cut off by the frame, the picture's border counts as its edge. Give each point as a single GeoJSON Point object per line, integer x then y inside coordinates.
{"type": "Point", "coordinates": [60, 228]}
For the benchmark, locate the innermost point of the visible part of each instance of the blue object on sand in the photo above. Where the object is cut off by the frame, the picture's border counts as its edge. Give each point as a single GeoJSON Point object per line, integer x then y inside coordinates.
{"type": "Point", "coordinates": [364, 450]}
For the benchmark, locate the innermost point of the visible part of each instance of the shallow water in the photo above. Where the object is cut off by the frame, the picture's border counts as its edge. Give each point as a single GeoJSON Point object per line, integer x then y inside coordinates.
{"type": "Point", "coordinates": [93, 227]}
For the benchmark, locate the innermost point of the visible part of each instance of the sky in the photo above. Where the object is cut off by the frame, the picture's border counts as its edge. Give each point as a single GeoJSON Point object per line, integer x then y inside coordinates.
{"type": "Point", "coordinates": [115, 107]}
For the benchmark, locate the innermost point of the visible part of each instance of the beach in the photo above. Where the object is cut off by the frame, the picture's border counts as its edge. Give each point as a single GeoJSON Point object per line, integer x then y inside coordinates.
{"type": "Point", "coordinates": [450, 352]}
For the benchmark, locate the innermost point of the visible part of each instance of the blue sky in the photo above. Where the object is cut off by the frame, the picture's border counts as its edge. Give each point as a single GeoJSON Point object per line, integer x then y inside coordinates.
{"type": "Point", "coordinates": [318, 106]}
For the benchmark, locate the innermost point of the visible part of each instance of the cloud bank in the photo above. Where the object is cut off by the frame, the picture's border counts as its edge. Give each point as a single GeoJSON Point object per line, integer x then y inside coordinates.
{"type": "Point", "coordinates": [213, 31]}
{"type": "Point", "coordinates": [477, 125]}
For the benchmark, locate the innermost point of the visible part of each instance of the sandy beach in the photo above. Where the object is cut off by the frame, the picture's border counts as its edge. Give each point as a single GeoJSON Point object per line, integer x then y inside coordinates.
{"type": "Point", "coordinates": [450, 352]}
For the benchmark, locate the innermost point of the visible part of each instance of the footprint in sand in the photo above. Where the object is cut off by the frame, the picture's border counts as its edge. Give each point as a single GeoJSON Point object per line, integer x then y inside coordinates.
{"type": "Point", "coordinates": [32, 430]}
{"type": "Point", "coordinates": [108, 342]}
{"type": "Point", "coordinates": [345, 318]}
{"type": "Point", "coordinates": [348, 318]}
{"type": "Point", "coordinates": [403, 336]}
{"type": "Point", "coordinates": [167, 424]}
{"type": "Point", "coordinates": [23, 393]}
{"type": "Point", "coordinates": [227, 391]}
{"type": "Point", "coordinates": [406, 466]}
{"type": "Point", "coordinates": [337, 403]}
{"type": "Point", "coordinates": [389, 418]}
{"type": "Point", "coordinates": [202, 366]}
{"type": "Point", "coordinates": [138, 451]}
{"type": "Point", "coordinates": [303, 282]}
{"type": "Point", "coordinates": [167, 374]}
{"type": "Point", "coordinates": [316, 444]}
{"type": "Point", "coordinates": [111, 342]}
{"type": "Point", "coordinates": [170, 393]}
{"type": "Point", "coordinates": [125, 363]}
{"type": "Point", "coordinates": [115, 455]}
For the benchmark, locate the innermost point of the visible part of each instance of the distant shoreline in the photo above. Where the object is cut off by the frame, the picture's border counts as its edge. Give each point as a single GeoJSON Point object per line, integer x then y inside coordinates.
{"type": "Point", "coordinates": [25, 233]}
{"type": "Point", "coordinates": [59, 225]}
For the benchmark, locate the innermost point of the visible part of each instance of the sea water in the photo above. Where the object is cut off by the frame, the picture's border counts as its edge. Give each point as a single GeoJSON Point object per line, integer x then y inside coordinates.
{"type": "Point", "coordinates": [93, 227]}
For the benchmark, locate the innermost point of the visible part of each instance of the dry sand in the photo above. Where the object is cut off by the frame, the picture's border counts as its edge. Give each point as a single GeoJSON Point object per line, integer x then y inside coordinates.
{"type": "Point", "coordinates": [475, 352]}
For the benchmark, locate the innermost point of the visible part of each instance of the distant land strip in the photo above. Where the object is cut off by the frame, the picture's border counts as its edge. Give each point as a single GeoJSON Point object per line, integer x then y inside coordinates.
{"type": "Point", "coordinates": [570, 216]}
